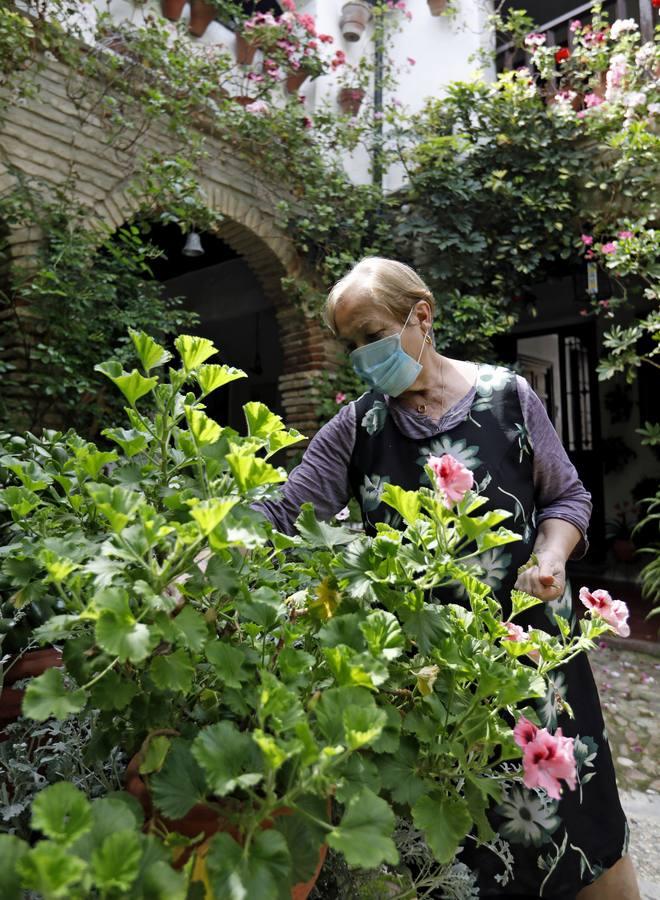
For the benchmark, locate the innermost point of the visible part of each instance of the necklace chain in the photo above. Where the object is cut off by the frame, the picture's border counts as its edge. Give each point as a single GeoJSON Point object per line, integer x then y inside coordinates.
{"type": "Point", "coordinates": [421, 407]}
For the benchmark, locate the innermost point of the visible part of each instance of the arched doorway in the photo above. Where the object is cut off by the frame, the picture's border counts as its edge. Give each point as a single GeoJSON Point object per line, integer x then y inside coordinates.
{"type": "Point", "coordinates": [234, 312]}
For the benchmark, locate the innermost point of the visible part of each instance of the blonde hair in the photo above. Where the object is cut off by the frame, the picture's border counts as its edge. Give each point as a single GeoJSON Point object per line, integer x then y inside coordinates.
{"type": "Point", "coordinates": [386, 283]}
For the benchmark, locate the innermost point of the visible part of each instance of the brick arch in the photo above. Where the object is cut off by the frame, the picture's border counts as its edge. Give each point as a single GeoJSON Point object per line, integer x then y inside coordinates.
{"type": "Point", "coordinates": [249, 228]}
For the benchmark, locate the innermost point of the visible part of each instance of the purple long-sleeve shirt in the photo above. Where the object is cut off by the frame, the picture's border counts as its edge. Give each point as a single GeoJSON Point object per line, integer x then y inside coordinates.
{"type": "Point", "coordinates": [322, 476]}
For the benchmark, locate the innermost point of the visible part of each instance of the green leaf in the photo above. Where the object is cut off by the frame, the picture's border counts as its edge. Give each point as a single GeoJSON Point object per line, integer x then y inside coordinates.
{"type": "Point", "coordinates": [263, 873]}
{"type": "Point", "coordinates": [161, 882]}
{"type": "Point", "coordinates": [318, 534]}
{"type": "Point", "coordinates": [227, 662]}
{"type": "Point", "coordinates": [357, 773]}
{"type": "Point", "coordinates": [211, 377]}
{"type": "Point", "coordinates": [425, 626]}
{"type": "Point", "coordinates": [406, 503]}
{"type": "Point", "coordinates": [112, 692]}
{"type": "Point", "coordinates": [62, 812]}
{"type": "Point", "coordinates": [399, 773]}
{"type": "Point", "coordinates": [51, 870]}
{"type": "Point", "coordinates": [117, 504]}
{"type": "Point", "coordinates": [194, 350]}
{"type": "Point", "coordinates": [364, 833]}
{"type": "Point", "coordinates": [229, 757]}
{"type": "Point", "coordinates": [180, 784]}
{"type": "Point", "coordinates": [331, 708]}
{"type": "Point", "coordinates": [303, 838]}
{"type": "Point", "coordinates": [12, 851]}
{"type": "Point", "coordinates": [19, 500]}
{"type": "Point", "coordinates": [117, 630]}
{"type": "Point", "coordinates": [261, 422]}
{"type": "Point", "coordinates": [383, 634]}
{"type": "Point", "coordinates": [520, 601]}
{"type": "Point", "coordinates": [116, 863]}
{"type": "Point", "coordinates": [131, 384]}
{"type": "Point", "coordinates": [251, 471]}
{"type": "Point", "coordinates": [149, 352]}
{"type": "Point", "coordinates": [210, 513]}
{"type": "Point", "coordinates": [173, 672]}
{"type": "Point", "coordinates": [130, 440]}
{"type": "Point", "coordinates": [362, 725]}
{"type": "Point", "coordinates": [157, 750]}
{"type": "Point", "coordinates": [190, 629]}
{"type": "Point", "coordinates": [445, 824]}
{"type": "Point", "coordinates": [204, 429]}
{"type": "Point", "coordinates": [46, 696]}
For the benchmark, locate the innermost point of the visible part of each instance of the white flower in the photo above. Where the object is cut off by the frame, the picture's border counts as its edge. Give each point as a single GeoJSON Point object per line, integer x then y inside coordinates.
{"type": "Point", "coordinates": [645, 55]}
{"type": "Point", "coordinates": [654, 109]}
{"type": "Point", "coordinates": [622, 25]}
{"type": "Point", "coordinates": [634, 98]}
{"type": "Point", "coordinates": [259, 107]}
{"type": "Point", "coordinates": [342, 514]}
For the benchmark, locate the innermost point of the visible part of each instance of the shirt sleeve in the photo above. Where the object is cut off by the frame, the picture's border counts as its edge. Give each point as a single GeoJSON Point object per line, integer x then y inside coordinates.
{"type": "Point", "coordinates": [558, 490]}
{"type": "Point", "coordinates": [321, 478]}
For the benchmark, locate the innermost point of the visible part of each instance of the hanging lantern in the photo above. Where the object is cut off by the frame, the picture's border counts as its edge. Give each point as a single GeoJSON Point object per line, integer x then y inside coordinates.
{"type": "Point", "coordinates": [193, 245]}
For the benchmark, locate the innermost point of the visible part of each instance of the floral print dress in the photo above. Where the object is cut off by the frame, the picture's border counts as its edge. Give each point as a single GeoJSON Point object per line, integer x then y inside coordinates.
{"type": "Point", "coordinates": [544, 847]}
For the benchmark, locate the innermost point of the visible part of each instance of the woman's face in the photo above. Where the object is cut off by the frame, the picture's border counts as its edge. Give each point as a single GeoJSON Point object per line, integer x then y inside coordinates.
{"type": "Point", "coordinates": [358, 323]}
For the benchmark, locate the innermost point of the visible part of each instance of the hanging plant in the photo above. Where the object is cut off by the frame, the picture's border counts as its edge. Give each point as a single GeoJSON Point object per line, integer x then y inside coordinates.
{"type": "Point", "coordinates": [172, 9]}
{"type": "Point", "coordinates": [437, 7]}
{"type": "Point", "coordinates": [350, 99]}
{"type": "Point", "coordinates": [201, 16]}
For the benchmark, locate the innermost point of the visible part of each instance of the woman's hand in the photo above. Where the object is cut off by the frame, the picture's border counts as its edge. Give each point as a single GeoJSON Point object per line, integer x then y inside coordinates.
{"type": "Point", "coordinates": [545, 579]}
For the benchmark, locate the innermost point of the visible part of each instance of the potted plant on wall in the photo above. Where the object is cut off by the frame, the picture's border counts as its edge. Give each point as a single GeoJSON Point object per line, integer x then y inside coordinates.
{"type": "Point", "coordinates": [350, 99]}
{"type": "Point", "coordinates": [619, 531]}
{"type": "Point", "coordinates": [355, 16]}
{"type": "Point", "coordinates": [437, 7]}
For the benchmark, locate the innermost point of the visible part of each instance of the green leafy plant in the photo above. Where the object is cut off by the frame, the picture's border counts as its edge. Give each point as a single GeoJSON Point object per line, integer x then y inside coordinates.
{"type": "Point", "coordinates": [257, 674]}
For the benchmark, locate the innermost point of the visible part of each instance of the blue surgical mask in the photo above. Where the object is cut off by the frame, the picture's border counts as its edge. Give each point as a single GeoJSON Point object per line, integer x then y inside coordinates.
{"type": "Point", "coordinates": [386, 366]}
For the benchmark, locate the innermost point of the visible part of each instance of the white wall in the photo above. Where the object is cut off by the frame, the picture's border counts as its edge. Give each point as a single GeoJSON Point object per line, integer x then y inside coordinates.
{"type": "Point", "coordinates": [441, 47]}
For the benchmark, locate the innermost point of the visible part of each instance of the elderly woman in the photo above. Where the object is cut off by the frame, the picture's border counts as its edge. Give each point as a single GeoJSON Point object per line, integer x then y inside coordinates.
{"type": "Point", "coordinates": [423, 403]}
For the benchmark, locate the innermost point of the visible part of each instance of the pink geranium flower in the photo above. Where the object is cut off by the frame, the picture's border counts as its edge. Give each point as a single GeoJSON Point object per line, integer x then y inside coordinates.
{"type": "Point", "coordinates": [340, 397]}
{"type": "Point", "coordinates": [591, 100]}
{"type": "Point", "coordinates": [614, 612]}
{"type": "Point", "coordinates": [452, 477]}
{"type": "Point", "coordinates": [517, 634]}
{"type": "Point", "coordinates": [609, 247]}
{"type": "Point", "coordinates": [586, 239]}
{"type": "Point", "coordinates": [625, 234]}
{"type": "Point", "coordinates": [548, 759]}
{"type": "Point", "coordinates": [534, 39]}
{"type": "Point", "coordinates": [524, 732]}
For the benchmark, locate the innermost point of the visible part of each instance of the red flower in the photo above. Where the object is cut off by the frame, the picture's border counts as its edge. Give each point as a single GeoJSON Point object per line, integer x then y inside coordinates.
{"type": "Point", "coordinates": [656, 4]}
{"type": "Point", "coordinates": [562, 54]}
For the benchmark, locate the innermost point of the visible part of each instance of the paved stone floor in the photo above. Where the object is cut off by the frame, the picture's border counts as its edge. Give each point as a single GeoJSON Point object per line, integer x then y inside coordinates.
{"type": "Point", "coordinates": [629, 687]}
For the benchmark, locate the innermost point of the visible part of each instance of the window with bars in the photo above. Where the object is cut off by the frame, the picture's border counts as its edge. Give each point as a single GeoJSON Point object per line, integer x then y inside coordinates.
{"type": "Point", "coordinates": [578, 432]}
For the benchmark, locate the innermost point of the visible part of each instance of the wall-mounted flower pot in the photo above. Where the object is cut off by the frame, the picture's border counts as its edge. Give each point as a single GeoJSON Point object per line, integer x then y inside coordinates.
{"type": "Point", "coordinates": [201, 16]}
{"type": "Point", "coordinates": [350, 99]}
{"type": "Point", "coordinates": [437, 7]}
{"type": "Point", "coordinates": [354, 19]}
{"type": "Point", "coordinates": [245, 51]}
{"type": "Point", "coordinates": [294, 80]}
{"type": "Point", "coordinates": [172, 9]}
{"type": "Point", "coordinates": [203, 819]}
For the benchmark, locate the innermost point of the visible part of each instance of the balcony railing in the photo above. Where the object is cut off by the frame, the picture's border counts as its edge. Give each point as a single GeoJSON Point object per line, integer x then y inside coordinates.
{"type": "Point", "coordinates": [558, 33]}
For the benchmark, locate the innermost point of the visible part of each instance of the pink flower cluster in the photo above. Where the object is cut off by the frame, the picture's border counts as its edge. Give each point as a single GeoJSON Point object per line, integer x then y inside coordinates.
{"type": "Point", "coordinates": [614, 612]}
{"type": "Point", "coordinates": [517, 633]}
{"type": "Point", "coordinates": [535, 39]}
{"type": "Point", "coordinates": [452, 478]}
{"type": "Point", "coordinates": [548, 758]}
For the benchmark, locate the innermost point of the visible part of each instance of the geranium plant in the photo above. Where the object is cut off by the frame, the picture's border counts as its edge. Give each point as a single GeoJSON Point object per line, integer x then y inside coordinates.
{"type": "Point", "coordinates": [260, 676]}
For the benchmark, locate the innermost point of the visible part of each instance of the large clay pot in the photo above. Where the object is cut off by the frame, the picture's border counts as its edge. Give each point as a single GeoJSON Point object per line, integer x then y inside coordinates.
{"type": "Point", "coordinates": [201, 16]}
{"type": "Point", "coordinates": [294, 80]}
{"type": "Point", "coordinates": [437, 7]}
{"type": "Point", "coordinates": [202, 819]}
{"type": "Point", "coordinates": [350, 99]}
{"type": "Point", "coordinates": [355, 17]}
{"type": "Point", "coordinates": [245, 51]}
{"type": "Point", "coordinates": [172, 9]}
{"type": "Point", "coordinates": [27, 665]}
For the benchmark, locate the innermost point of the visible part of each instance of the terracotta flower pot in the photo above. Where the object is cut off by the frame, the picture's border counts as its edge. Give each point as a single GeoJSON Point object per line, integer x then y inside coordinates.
{"type": "Point", "coordinates": [437, 7]}
{"type": "Point", "coordinates": [172, 9]}
{"type": "Point", "coordinates": [294, 80]}
{"type": "Point", "coordinates": [245, 51]}
{"type": "Point", "coordinates": [201, 16]}
{"type": "Point", "coordinates": [354, 19]}
{"type": "Point", "coordinates": [27, 665]}
{"type": "Point", "coordinates": [202, 819]}
{"type": "Point", "coordinates": [350, 99]}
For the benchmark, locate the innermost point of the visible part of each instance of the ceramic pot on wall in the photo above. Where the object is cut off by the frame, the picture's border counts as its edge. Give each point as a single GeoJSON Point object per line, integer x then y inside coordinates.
{"type": "Point", "coordinates": [350, 99]}
{"type": "Point", "coordinates": [201, 16]}
{"type": "Point", "coordinates": [437, 7]}
{"type": "Point", "coordinates": [354, 19]}
{"type": "Point", "coordinates": [172, 9]}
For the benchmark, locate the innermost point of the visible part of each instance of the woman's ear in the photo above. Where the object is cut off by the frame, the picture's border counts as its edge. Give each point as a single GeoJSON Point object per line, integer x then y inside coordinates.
{"type": "Point", "coordinates": [424, 315]}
